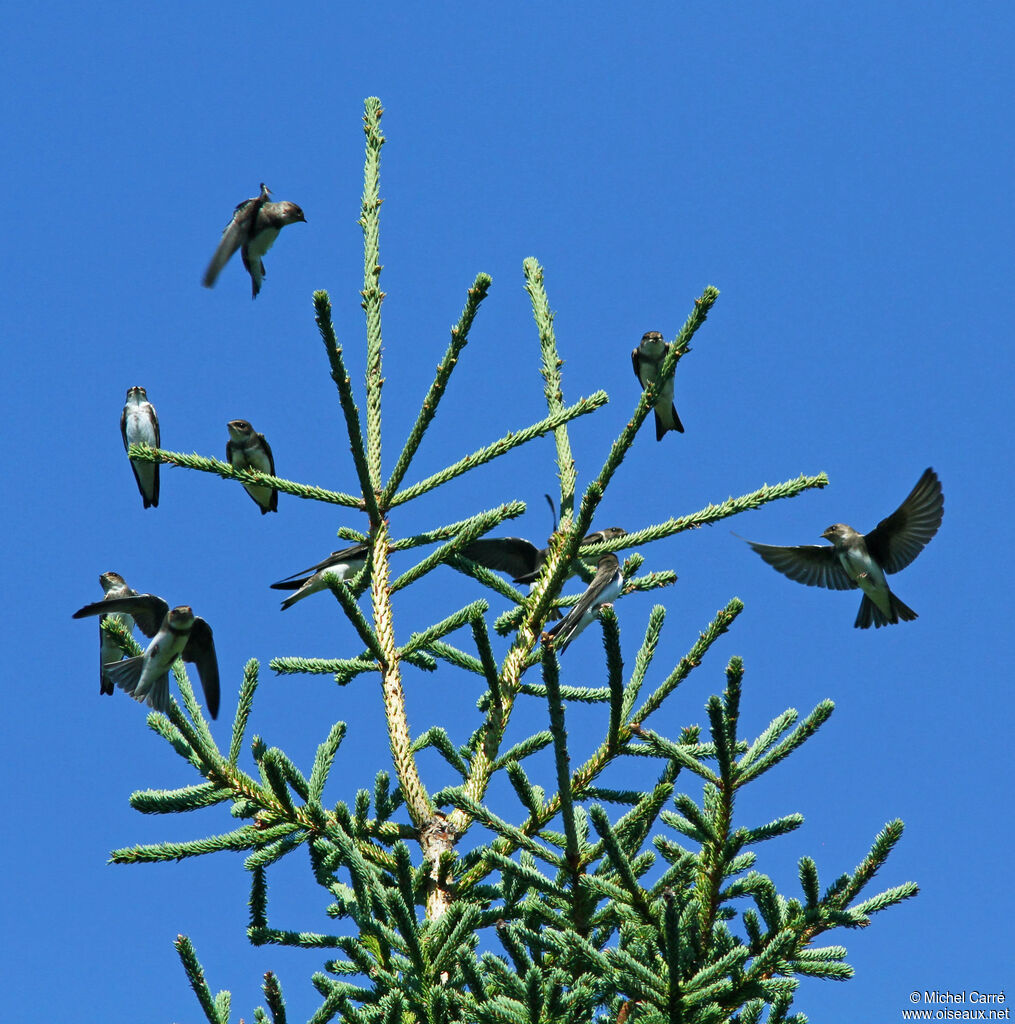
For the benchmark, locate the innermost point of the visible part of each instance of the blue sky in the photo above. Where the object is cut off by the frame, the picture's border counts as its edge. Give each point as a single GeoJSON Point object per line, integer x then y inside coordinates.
{"type": "Point", "coordinates": [841, 173]}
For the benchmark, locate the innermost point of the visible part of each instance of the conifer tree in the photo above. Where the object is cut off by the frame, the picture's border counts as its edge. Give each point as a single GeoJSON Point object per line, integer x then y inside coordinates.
{"type": "Point", "coordinates": [583, 903]}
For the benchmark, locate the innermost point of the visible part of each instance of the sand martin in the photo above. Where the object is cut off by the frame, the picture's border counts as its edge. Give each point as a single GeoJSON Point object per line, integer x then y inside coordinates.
{"type": "Point", "coordinates": [114, 586]}
{"type": "Point", "coordinates": [246, 449]}
{"type": "Point", "coordinates": [520, 558]}
{"type": "Point", "coordinates": [647, 358]}
{"type": "Point", "coordinates": [343, 564]}
{"type": "Point", "coordinates": [858, 560]}
{"type": "Point", "coordinates": [176, 632]}
{"type": "Point", "coordinates": [253, 230]}
{"type": "Point", "coordinates": [604, 588]}
{"type": "Point", "coordinates": [139, 424]}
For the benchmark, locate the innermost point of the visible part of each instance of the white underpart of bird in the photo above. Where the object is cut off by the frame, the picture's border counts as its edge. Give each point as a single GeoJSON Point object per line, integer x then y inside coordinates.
{"type": "Point", "coordinates": [146, 677]}
{"type": "Point", "coordinates": [339, 566]}
{"type": "Point", "coordinates": [139, 424]}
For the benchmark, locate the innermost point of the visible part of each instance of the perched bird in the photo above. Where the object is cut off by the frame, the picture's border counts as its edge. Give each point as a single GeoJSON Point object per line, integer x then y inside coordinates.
{"type": "Point", "coordinates": [343, 564]}
{"type": "Point", "coordinates": [176, 632]}
{"type": "Point", "coordinates": [647, 358]}
{"type": "Point", "coordinates": [858, 560]}
{"type": "Point", "coordinates": [253, 230]}
{"type": "Point", "coordinates": [114, 586]}
{"type": "Point", "coordinates": [246, 449]}
{"type": "Point", "coordinates": [139, 424]}
{"type": "Point", "coordinates": [521, 559]}
{"type": "Point", "coordinates": [604, 588]}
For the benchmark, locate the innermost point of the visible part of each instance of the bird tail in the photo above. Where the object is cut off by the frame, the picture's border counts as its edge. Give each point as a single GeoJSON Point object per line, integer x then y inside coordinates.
{"type": "Point", "coordinates": [565, 631]}
{"type": "Point", "coordinates": [127, 675]}
{"type": "Point", "coordinates": [107, 653]}
{"type": "Point", "coordinates": [677, 425]}
{"type": "Point", "coordinates": [871, 615]}
{"type": "Point", "coordinates": [255, 279]}
{"type": "Point", "coordinates": [308, 587]}
{"type": "Point", "coordinates": [661, 427]}
{"type": "Point", "coordinates": [147, 477]}
{"type": "Point", "coordinates": [110, 649]}
{"type": "Point", "coordinates": [304, 591]}
{"type": "Point", "coordinates": [289, 583]}
{"type": "Point", "coordinates": [551, 635]}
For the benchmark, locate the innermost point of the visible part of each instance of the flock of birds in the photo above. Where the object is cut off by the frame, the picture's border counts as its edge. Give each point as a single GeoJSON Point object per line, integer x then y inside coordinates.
{"type": "Point", "coordinates": [178, 632]}
{"type": "Point", "coordinates": [851, 560]}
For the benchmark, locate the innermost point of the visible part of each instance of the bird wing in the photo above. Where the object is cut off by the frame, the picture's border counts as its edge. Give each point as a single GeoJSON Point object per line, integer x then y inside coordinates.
{"type": "Point", "coordinates": [267, 451]}
{"type": "Point", "coordinates": [348, 554]}
{"type": "Point", "coordinates": [897, 540]}
{"type": "Point", "coordinates": [636, 363]}
{"type": "Point", "coordinates": [514, 555]}
{"type": "Point", "coordinates": [147, 609]}
{"type": "Point", "coordinates": [598, 592]}
{"type": "Point", "coordinates": [813, 564]}
{"type": "Point", "coordinates": [273, 500]}
{"type": "Point", "coordinates": [593, 592]}
{"type": "Point", "coordinates": [232, 238]}
{"type": "Point", "coordinates": [200, 650]}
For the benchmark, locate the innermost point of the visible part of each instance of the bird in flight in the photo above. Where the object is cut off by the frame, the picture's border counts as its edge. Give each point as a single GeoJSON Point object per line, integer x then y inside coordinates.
{"type": "Point", "coordinates": [862, 560]}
